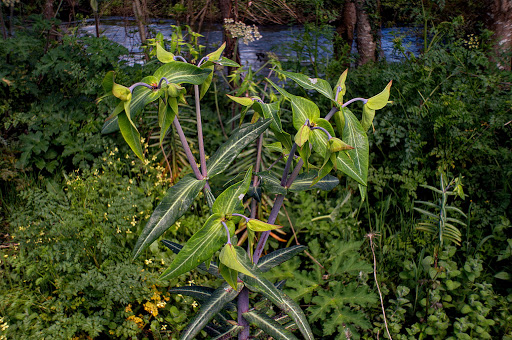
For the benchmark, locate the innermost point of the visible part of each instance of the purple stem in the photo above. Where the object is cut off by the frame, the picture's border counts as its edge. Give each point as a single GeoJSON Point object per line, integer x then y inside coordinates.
{"type": "Point", "coordinates": [188, 152]}
{"type": "Point", "coordinates": [202, 156]}
{"type": "Point", "coordinates": [246, 218]}
{"type": "Point", "coordinates": [288, 164]}
{"type": "Point", "coordinates": [322, 129]}
{"type": "Point", "coordinates": [205, 58]}
{"type": "Point", "coordinates": [131, 88]}
{"type": "Point", "coordinates": [354, 100]}
{"type": "Point", "coordinates": [162, 80]}
{"type": "Point", "coordinates": [178, 57]}
{"type": "Point", "coordinates": [338, 90]}
{"type": "Point", "coordinates": [227, 231]}
{"type": "Point", "coordinates": [331, 113]}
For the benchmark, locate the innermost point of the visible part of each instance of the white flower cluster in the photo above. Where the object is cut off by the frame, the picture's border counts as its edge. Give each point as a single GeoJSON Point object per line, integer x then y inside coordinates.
{"type": "Point", "coordinates": [9, 3]}
{"type": "Point", "coordinates": [238, 29]}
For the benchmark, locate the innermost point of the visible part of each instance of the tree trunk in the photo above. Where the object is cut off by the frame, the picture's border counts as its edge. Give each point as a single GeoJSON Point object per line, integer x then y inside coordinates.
{"type": "Point", "coordinates": [501, 24]}
{"type": "Point", "coordinates": [140, 17]}
{"type": "Point", "coordinates": [366, 45]}
{"type": "Point", "coordinates": [226, 10]}
{"type": "Point", "coordinates": [2, 23]}
{"type": "Point", "coordinates": [345, 28]}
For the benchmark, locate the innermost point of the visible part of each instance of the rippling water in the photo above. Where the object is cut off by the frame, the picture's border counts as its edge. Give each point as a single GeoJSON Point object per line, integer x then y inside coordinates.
{"type": "Point", "coordinates": [275, 38]}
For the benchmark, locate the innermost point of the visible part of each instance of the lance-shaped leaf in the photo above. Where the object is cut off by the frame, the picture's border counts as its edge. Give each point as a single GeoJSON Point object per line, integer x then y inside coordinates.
{"type": "Point", "coordinates": [199, 248]}
{"type": "Point", "coordinates": [268, 325]}
{"type": "Point", "coordinates": [257, 225]}
{"type": "Point", "coordinates": [207, 82]}
{"type": "Point", "coordinates": [270, 111]}
{"type": "Point", "coordinates": [130, 134]}
{"type": "Point", "coordinates": [111, 125]}
{"type": "Point", "coordinates": [215, 55]}
{"type": "Point", "coordinates": [200, 293]}
{"type": "Point", "coordinates": [118, 109]}
{"type": "Point", "coordinates": [270, 183]}
{"type": "Point", "coordinates": [230, 333]}
{"type": "Point", "coordinates": [245, 101]}
{"type": "Point", "coordinates": [163, 55]}
{"type": "Point", "coordinates": [354, 163]}
{"type": "Point", "coordinates": [368, 115]}
{"type": "Point", "coordinates": [304, 153]}
{"type": "Point", "coordinates": [228, 274]}
{"type": "Point", "coordinates": [218, 300]}
{"type": "Point", "coordinates": [318, 138]}
{"type": "Point", "coordinates": [236, 258]}
{"type": "Point", "coordinates": [380, 100]}
{"type": "Point", "coordinates": [176, 248]}
{"type": "Point", "coordinates": [305, 181]}
{"type": "Point", "coordinates": [307, 83]}
{"type": "Point", "coordinates": [179, 72]}
{"type": "Point", "coordinates": [166, 116]}
{"type": "Point", "coordinates": [279, 256]}
{"type": "Point", "coordinates": [175, 203]}
{"type": "Point", "coordinates": [228, 151]}
{"type": "Point", "coordinates": [342, 87]}
{"type": "Point", "coordinates": [230, 200]}
{"type": "Point", "coordinates": [108, 82]}
{"type": "Point", "coordinates": [290, 307]}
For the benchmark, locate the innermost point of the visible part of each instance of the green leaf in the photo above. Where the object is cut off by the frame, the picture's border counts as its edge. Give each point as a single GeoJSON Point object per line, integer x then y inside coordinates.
{"type": "Point", "coordinates": [179, 72]}
{"type": "Point", "coordinates": [231, 199]}
{"type": "Point", "coordinates": [380, 100]}
{"type": "Point", "coordinates": [118, 109]}
{"type": "Point", "coordinates": [230, 333]}
{"type": "Point", "coordinates": [218, 300]}
{"type": "Point", "coordinates": [270, 183]}
{"type": "Point", "coordinates": [230, 275]}
{"type": "Point", "coordinates": [341, 85]}
{"type": "Point", "coordinates": [227, 62]}
{"type": "Point", "coordinates": [503, 276]}
{"type": "Point", "coordinates": [265, 287]}
{"type": "Point", "coordinates": [143, 96]}
{"type": "Point", "coordinates": [270, 111]}
{"type": "Point", "coordinates": [236, 258]}
{"type": "Point", "coordinates": [200, 293]}
{"type": "Point", "coordinates": [368, 115]}
{"type": "Point", "coordinates": [215, 55]}
{"type": "Point", "coordinates": [320, 85]}
{"type": "Point", "coordinates": [108, 82]}
{"type": "Point", "coordinates": [257, 225]}
{"type": "Point", "coordinates": [206, 84]}
{"type": "Point", "coordinates": [268, 325]}
{"type": "Point", "coordinates": [304, 153]}
{"type": "Point", "coordinates": [121, 92]}
{"type": "Point", "coordinates": [212, 269]}
{"type": "Point", "coordinates": [163, 55]}
{"type": "Point", "coordinates": [130, 134]}
{"type": "Point", "coordinates": [111, 125]}
{"type": "Point", "coordinates": [245, 101]}
{"type": "Point", "coordinates": [354, 163]}
{"type": "Point", "coordinates": [166, 116]}
{"type": "Point", "coordinates": [200, 247]}
{"type": "Point", "coordinates": [175, 203]}
{"type": "Point", "coordinates": [228, 151]}
{"type": "Point", "coordinates": [319, 138]}
{"type": "Point", "coordinates": [305, 180]}
{"type": "Point", "coordinates": [339, 119]}
{"type": "Point", "coordinates": [302, 136]}
{"type": "Point", "coordinates": [279, 256]}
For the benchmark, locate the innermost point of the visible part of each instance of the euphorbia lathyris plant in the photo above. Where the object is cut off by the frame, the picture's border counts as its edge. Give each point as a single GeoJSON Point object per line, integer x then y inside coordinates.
{"type": "Point", "coordinates": [346, 151]}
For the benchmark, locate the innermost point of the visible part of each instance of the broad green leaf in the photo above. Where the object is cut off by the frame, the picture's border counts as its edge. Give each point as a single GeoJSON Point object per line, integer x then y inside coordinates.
{"type": "Point", "coordinates": [215, 55]}
{"type": "Point", "coordinates": [207, 82]}
{"type": "Point", "coordinates": [212, 269]}
{"type": "Point", "coordinates": [175, 203]}
{"type": "Point", "coordinates": [163, 55]}
{"type": "Point", "coordinates": [227, 62]}
{"type": "Point", "coordinates": [200, 247]}
{"type": "Point", "coordinates": [342, 86]}
{"type": "Point", "coordinates": [228, 151]}
{"type": "Point", "coordinates": [307, 83]}
{"type": "Point", "coordinates": [355, 136]}
{"type": "Point", "coordinates": [503, 276]}
{"type": "Point", "coordinates": [218, 300]}
{"type": "Point", "coordinates": [276, 147]}
{"type": "Point", "coordinates": [111, 125]}
{"type": "Point", "coordinates": [179, 72]}
{"type": "Point", "coordinates": [319, 138]}
{"type": "Point", "coordinates": [368, 115]}
{"type": "Point", "coordinates": [130, 134]}
{"type": "Point", "coordinates": [290, 307]}
{"type": "Point", "coordinates": [339, 119]}
{"type": "Point", "coordinates": [380, 100]}
{"type": "Point", "coordinates": [305, 180]}
{"type": "Point", "coordinates": [228, 274]}
{"type": "Point", "coordinates": [304, 153]}
{"type": "Point", "coordinates": [268, 325]}
{"type": "Point", "coordinates": [108, 82]}
{"type": "Point", "coordinates": [326, 168]}
{"type": "Point", "coordinates": [245, 101]}
{"type": "Point", "coordinates": [234, 258]}
{"type": "Point", "coordinates": [257, 225]}
{"type": "Point", "coordinates": [143, 96]}
{"type": "Point", "coordinates": [231, 199]}
{"type": "Point", "coordinates": [270, 183]}
{"type": "Point", "coordinates": [302, 136]}
{"type": "Point", "coordinates": [335, 144]}
{"type": "Point", "coordinates": [119, 108]}
{"type": "Point", "coordinates": [200, 293]}
{"type": "Point", "coordinates": [121, 92]}
{"type": "Point", "coordinates": [279, 256]}
{"type": "Point", "coordinates": [166, 116]}
{"type": "Point", "coordinates": [269, 111]}
{"type": "Point", "coordinates": [230, 333]}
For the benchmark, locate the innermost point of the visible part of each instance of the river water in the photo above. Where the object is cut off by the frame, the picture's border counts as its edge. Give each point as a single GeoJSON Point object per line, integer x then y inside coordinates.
{"type": "Point", "coordinates": [275, 38]}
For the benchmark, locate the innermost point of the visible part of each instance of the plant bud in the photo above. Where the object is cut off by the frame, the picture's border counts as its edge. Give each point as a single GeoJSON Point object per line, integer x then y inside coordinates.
{"type": "Point", "coordinates": [335, 144]}
{"type": "Point", "coordinates": [121, 92]}
{"type": "Point", "coordinates": [173, 90]}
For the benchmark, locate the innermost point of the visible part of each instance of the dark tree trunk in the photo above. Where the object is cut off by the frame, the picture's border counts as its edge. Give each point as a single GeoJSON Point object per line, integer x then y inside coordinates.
{"type": "Point", "coordinates": [345, 28]}
{"type": "Point", "coordinates": [366, 45]}
{"type": "Point", "coordinates": [501, 25]}
{"type": "Point", "coordinates": [2, 23]}
{"type": "Point", "coordinates": [227, 12]}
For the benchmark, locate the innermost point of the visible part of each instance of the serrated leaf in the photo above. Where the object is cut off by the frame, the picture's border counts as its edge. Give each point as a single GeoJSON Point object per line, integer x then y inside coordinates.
{"type": "Point", "coordinates": [270, 183]}
{"type": "Point", "coordinates": [175, 203]}
{"type": "Point", "coordinates": [179, 72]}
{"type": "Point", "coordinates": [200, 247]}
{"type": "Point", "coordinates": [304, 284]}
{"type": "Point", "coordinates": [211, 269]}
{"type": "Point", "coordinates": [268, 325]}
{"type": "Point", "coordinates": [290, 307]}
{"type": "Point", "coordinates": [219, 298]}
{"type": "Point", "coordinates": [228, 151]}
{"type": "Point", "coordinates": [231, 199]}
{"type": "Point", "coordinates": [305, 180]}
{"type": "Point", "coordinates": [279, 256]}
{"type": "Point", "coordinates": [130, 134]}
{"type": "Point", "coordinates": [320, 85]}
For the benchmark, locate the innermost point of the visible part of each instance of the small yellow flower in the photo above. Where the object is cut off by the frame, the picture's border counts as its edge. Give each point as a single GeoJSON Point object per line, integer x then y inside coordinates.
{"type": "Point", "coordinates": [194, 304]}
{"type": "Point", "coordinates": [128, 309]}
{"type": "Point", "coordinates": [148, 261]}
{"type": "Point", "coordinates": [151, 308]}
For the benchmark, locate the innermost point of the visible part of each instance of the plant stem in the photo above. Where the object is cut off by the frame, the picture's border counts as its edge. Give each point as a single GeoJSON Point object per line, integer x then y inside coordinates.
{"type": "Point", "coordinates": [288, 164]}
{"type": "Point", "coordinates": [370, 236]}
{"type": "Point", "coordinates": [202, 155]}
{"type": "Point", "coordinates": [355, 100]}
{"type": "Point", "coordinates": [322, 129]}
{"type": "Point", "coordinates": [331, 113]}
{"type": "Point", "coordinates": [227, 232]}
{"type": "Point", "coordinates": [186, 147]}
